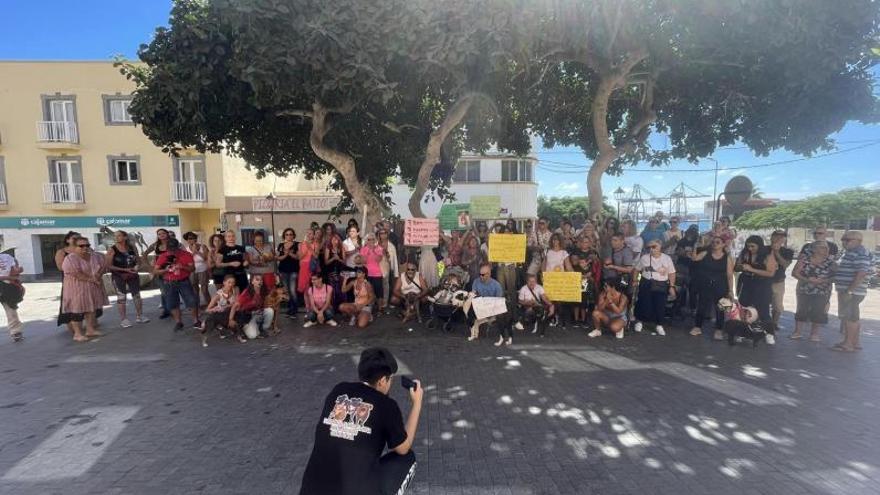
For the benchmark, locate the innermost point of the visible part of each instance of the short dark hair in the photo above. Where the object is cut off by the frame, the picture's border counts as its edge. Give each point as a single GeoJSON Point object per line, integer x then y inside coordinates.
{"type": "Point", "coordinates": [360, 269]}
{"type": "Point", "coordinates": [258, 233]}
{"type": "Point", "coordinates": [375, 363]}
{"type": "Point", "coordinates": [618, 235]}
{"type": "Point", "coordinates": [173, 244]}
{"type": "Point", "coordinates": [190, 235]}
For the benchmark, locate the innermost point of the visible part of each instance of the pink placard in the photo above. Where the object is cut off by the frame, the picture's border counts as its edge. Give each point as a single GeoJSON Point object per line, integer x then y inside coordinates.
{"type": "Point", "coordinates": [421, 232]}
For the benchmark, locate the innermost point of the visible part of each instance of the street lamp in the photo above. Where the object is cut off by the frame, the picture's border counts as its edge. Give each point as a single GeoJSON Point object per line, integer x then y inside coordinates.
{"type": "Point", "coordinates": [619, 194]}
{"type": "Point", "coordinates": [271, 197]}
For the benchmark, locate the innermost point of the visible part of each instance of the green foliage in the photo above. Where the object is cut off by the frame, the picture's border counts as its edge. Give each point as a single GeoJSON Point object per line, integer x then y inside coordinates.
{"type": "Point", "coordinates": [557, 207]}
{"type": "Point", "coordinates": [827, 209]}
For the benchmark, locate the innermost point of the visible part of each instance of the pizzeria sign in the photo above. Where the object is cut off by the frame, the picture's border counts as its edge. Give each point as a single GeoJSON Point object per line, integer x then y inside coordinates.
{"type": "Point", "coordinates": [295, 203]}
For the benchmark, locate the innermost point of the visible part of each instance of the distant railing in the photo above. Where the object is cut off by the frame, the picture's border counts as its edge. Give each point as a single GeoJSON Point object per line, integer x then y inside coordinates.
{"type": "Point", "coordinates": [188, 191]}
{"type": "Point", "coordinates": [57, 131]}
{"type": "Point", "coordinates": [63, 192]}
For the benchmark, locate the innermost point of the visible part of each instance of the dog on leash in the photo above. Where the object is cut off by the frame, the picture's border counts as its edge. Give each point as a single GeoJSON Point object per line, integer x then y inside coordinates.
{"type": "Point", "coordinates": [274, 300]}
{"type": "Point", "coordinates": [412, 308]}
{"type": "Point", "coordinates": [741, 323]}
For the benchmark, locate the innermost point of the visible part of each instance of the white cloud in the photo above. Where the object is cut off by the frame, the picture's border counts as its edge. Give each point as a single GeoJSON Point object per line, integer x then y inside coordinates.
{"type": "Point", "coordinates": [657, 177]}
{"type": "Point", "coordinates": [568, 186]}
{"type": "Point", "coordinates": [871, 185]}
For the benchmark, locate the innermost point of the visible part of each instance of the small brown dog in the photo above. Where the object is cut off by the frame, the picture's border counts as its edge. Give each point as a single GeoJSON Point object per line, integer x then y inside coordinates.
{"type": "Point", "coordinates": [274, 300]}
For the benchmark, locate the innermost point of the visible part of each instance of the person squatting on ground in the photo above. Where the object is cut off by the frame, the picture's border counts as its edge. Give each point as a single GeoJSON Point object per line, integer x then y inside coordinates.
{"type": "Point", "coordinates": [534, 307]}
{"type": "Point", "coordinates": [357, 422]}
{"type": "Point", "coordinates": [175, 266]}
{"type": "Point", "coordinates": [217, 312]}
{"type": "Point", "coordinates": [122, 261]}
{"type": "Point", "coordinates": [610, 311]}
{"type": "Point", "coordinates": [249, 314]}
{"type": "Point", "coordinates": [361, 310]}
{"type": "Point", "coordinates": [850, 281]}
{"type": "Point", "coordinates": [319, 303]}
{"type": "Point", "coordinates": [11, 294]}
{"type": "Point", "coordinates": [410, 290]}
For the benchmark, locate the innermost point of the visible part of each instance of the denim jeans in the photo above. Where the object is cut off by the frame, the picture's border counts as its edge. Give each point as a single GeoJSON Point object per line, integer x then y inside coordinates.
{"type": "Point", "coordinates": [289, 281]}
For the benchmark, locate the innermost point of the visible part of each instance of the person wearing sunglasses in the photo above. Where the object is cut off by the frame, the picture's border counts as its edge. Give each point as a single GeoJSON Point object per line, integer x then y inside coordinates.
{"type": "Point", "coordinates": [83, 292]}
{"type": "Point", "coordinates": [485, 286]}
{"type": "Point", "coordinates": [850, 281]}
{"type": "Point", "coordinates": [657, 284]}
{"type": "Point", "coordinates": [716, 281]}
{"type": "Point", "coordinates": [757, 266]}
{"type": "Point", "coordinates": [410, 290]}
{"type": "Point", "coordinates": [820, 233]}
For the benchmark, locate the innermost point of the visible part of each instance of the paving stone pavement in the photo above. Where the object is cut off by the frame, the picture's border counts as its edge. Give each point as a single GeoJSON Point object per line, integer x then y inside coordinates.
{"type": "Point", "coordinates": [144, 410]}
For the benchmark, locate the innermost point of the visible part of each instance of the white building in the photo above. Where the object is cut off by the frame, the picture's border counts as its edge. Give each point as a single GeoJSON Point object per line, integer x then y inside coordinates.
{"type": "Point", "coordinates": [494, 174]}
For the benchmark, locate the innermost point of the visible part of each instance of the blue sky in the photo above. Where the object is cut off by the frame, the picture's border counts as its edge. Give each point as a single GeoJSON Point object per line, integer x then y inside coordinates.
{"type": "Point", "coordinates": [106, 28]}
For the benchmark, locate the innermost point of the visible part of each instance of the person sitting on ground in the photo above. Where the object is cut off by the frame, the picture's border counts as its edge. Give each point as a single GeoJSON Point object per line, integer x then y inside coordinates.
{"type": "Point", "coordinates": [217, 312]}
{"type": "Point", "coordinates": [175, 266]}
{"type": "Point", "coordinates": [361, 310]}
{"type": "Point", "coordinates": [533, 305]}
{"type": "Point", "coordinates": [610, 311]}
{"type": "Point", "coordinates": [249, 312]}
{"type": "Point", "coordinates": [319, 303]}
{"type": "Point", "coordinates": [410, 288]}
{"type": "Point", "coordinates": [486, 286]}
{"type": "Point", "coordinates": [358, 420]}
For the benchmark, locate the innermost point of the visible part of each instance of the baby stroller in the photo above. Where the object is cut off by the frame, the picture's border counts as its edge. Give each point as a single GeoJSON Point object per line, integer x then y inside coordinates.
{"type": "Point", "coordinates": [447, 303]}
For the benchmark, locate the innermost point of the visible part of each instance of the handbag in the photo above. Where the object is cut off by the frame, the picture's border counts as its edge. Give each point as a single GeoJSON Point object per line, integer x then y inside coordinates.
{"type": "Point", "coordinates": [659, 285]}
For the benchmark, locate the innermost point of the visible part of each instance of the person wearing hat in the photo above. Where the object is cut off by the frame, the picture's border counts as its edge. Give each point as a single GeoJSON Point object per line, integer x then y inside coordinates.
{"type": "Point", "coordinates": [11, 294]}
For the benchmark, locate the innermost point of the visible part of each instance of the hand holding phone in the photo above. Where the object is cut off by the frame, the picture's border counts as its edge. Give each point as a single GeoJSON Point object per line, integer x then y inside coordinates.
{"type": "Point", "coordinates": [408, 383]}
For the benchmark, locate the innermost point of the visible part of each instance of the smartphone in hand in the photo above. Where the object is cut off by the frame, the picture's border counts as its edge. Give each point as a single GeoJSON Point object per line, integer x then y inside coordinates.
{"type": "Point", "coordinates": [408, 383]}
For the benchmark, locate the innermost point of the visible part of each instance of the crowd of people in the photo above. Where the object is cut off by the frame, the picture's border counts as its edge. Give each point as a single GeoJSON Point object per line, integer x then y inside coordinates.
{"type": "Point", "coordinates": [630, 280]}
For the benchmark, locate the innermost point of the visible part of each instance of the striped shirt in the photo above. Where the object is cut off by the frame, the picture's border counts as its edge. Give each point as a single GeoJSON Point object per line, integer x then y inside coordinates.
{"type": "Point", "coordinates": [854, 261]}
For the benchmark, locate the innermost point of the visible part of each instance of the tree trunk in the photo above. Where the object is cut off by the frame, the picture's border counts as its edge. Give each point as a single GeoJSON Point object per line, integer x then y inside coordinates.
{"type": "Point", "coordinates": [453, 118]}
{"type": "Point", "coordinates": [594, 184]}
{"type": "Point", "coordinates": [345, 165]}
{"type": "Point", "coordinates": [607, 152]}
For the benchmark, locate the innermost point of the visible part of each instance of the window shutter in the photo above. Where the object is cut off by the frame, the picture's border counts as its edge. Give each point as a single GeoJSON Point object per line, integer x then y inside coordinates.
{"type": "Point", "coordinates": [111, 170]}
{"type": "Point", "coordinates": [53, 175]}
{"type": "Point", "coordinates": [175, 169]}
{"type": "Point", "coordinates": [134, 170]}
{"type": "Point", "coordinates": [2, 171]}
{"type": "Point", "coordinates": [77, 172]}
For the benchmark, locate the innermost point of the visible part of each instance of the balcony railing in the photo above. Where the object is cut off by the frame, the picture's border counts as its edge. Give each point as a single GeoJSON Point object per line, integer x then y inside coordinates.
{"type": "Point", "coordinates": [63, 192]}
{"type": "Point", "coordinates": [188, 191]}
{"type": "Point", "coordinates": [57, 131]}
{"type": "Point", "coordinates": [3, 199]}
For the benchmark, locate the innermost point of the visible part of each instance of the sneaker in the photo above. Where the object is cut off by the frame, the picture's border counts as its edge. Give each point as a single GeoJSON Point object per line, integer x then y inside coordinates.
{"type": "Point", "coordinates": [164, 316]}
{"type": "Point", "coordinates": [594, 334]}
{"type": "Point", "coordinates": [535, 328]}
{"type": "Point", "coordinates": [125, 323]}
{"type": "Point", "coordinates": [519, 326]}
{"type": "Point", "coordinates": [472, 338]}
{"type": "Point", "coordinates": [660, 331]}
{"type": "Point", "coordinates": [352, 322]}
{"type": "Point", "coordinates": [500, 341]}
{"type": "Point", "coordinates": [308, 324]}
{"type": "Point", "coordinates": [142, 319]}
{"type": "Point", "coordinates": [638, 326]}
{"type": "Point", "coordinates": [197, 324]}
{"type": "Point", "coordinates": [17, 337]}
{"type": "Point", "coordinates": [509, 341]}
{"type": "Point", "coordinates": [620, 334]}
{"type": "Point", "coordinates": [204, 341]}
{"type": "Point", "coordinates": [332, 323]}
{"type": "Point", "coordinates": [718, 335]}
{"type": "Point", "coordinates": [771, 339]}
{"type": "Point", "coordinates": [178, 326]}
{"type": "Point", "coordinates": [696, 331]}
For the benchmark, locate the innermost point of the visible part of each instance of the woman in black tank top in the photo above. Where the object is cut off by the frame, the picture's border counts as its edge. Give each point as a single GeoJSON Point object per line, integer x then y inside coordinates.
{"type": "Point", "coordinates": [716, 280]}
{"type": "Point", "coordinates": [757, 268]}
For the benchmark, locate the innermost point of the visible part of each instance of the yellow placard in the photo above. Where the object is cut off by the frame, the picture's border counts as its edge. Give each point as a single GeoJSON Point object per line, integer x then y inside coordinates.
{"type": "Point", "coordinates": [507, 248]}
{"type": "Point", "coordinates": [562, 286]}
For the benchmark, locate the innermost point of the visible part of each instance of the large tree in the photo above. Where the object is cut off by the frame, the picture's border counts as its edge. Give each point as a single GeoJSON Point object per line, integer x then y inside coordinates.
{"type": "Point", "coordinates": [839, 208]}
{"type": "Point", "coordinates": [772, 74]}
{"type": "Point", "coordinates": [362, 91]}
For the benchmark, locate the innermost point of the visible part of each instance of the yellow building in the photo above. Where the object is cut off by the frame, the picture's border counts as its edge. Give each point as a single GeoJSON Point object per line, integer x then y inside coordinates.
{"type": "Point", "coordinates": [71, 159]}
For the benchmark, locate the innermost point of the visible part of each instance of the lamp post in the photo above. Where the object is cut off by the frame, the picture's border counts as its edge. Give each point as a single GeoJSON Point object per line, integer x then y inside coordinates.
{"type": "Point", "coordinates": [271, 197]}
{"type": "Point", "coordinates": [619, 193]}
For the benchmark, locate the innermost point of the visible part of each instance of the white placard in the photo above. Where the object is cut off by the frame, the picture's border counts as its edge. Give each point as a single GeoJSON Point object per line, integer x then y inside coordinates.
{"type": "Point", "coordinates": [486, 307]}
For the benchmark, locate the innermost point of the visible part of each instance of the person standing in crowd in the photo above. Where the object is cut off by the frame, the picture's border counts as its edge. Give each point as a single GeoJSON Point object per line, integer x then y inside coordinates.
{"type": "Point", "coordinates": [11, 294]}
{"type": "Point", "coordinates": [485, 286]}
{"type": "Point", "coordinates": [352, 223]}
{"type": "Point", "coordinates": [361, 310]}
{"type": "Point", "coordinates": [373, 255]}
{"type": "Point", "coordinates": [850, 281]}
{"type": "Point", "coordinates": [632, 239]}
{"type": "Point", "coordinates": [538, 243]}
{"type": "Point", "coordinates": [609, 228]}
{"type": "Point", "coordinates": [671, 238]}
{"type": "Point", "coordinates": [820, 233]}
{"type": "Point", "coordinates": [511, 226]}
{"type": "Point", "coordinates": [334, 263]}
{"type": "Point", "coordinates": [249, 313]}
{"type": "Point", "coordinates": [199, 277]}
{"type": "Point", "coordinates": [567, 234]}
{"type": "Point", "coordinates": [556, 260]}
{"type": "Point", "coordinates": [233, 259]}
{"type": "Point", "coordinates": [218, 273]}
{"type": "Point", "coordinates": [83, 291]}
{"type": "Point", "coordinates": [611, 309]}
{"type": "Point", "coordinates": [688, 272]}
{"type": "Point", "coordinates": [783, 257]}
{"type": "Point", "coordinates": [122, 261]}
{"type": "Point", "coordinates": [716, 281]}
{"type": "Point", "coordinates": [68, 248]}
{"type": "Point", "coordinates": [287, 256]}
{"type": "Point", "coordinates": [351, 247]}
{"type": "Point", "coordinates": [160, 247]}
{"type": "Point", "coordinates": [534, 305]}
{"type": "Point", "coordinates": [472, 257]}
{"type": "Point", "coordinates": [657, 283]}
{"type": "Point", "coordinates": [757, 266]}
{"type": "Point", "coordinates": [815, 276]}
{"type": "Point", "coordinates": [175, 266]}
{"type": "Point", "coordinates": [358, 420]}
{"type": "Point", "coordinates": [589, 232]}
{"type": "Point", "coordinates": [389, 265]}
{"type": "Point", "coordinates": [217, 312]}
{"type": "Point", "coordinates": [319, 303]}
{"type": "Point", "coordinates": [261, 260]}
{"type": "Point", "coordinates": [309, 252]}
{"type": "Point", "coordinates": [653, 231]}
{"type": "Point", "coordinates": [619, 263]}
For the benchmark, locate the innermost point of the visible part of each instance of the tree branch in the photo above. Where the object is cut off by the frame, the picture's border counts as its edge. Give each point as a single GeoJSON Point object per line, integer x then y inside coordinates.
{"type": "Point", "coordinates": [294, 113]}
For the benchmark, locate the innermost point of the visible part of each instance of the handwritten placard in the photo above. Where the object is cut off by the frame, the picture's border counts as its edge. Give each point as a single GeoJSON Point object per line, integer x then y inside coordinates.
{"type": "Point", "coordinates": [487, 307]}
{"type": "Point", "coordinates": [485, 207]}
{"type": "Point", "coordinates": [507, 248]}
{"type": "Point", "coordinates": [562, 286]}
{"type": "Point", "coordinates": [421, 232]}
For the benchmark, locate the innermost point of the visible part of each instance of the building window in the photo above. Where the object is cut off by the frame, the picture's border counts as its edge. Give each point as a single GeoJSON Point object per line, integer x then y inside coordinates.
{"type": "Point", "coordinates": [59, 122]}
{"type": "Point", "coordinates": [124, 170]}
{"type": "Point", "coordinates": [516, 171]}
{"type": "Point", "coordinates": [467, 171]}
{"type": "Point", "coordinates": [116, 110]}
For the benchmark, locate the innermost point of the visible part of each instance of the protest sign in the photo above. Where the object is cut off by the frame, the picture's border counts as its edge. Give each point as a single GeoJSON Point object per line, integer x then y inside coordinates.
{"type": "Point", "coordinates": [485, 207]}
{"type": "Point", "coordinates": [486, 307]}
{"type": "Point", "coordinates": [562, 286]}
{"type": "Point", "coordinates": [421, 232]}
{"type": "Point", "coordinates": [449, 216]}
{"type": "Point", "coordinates": [507, 248]}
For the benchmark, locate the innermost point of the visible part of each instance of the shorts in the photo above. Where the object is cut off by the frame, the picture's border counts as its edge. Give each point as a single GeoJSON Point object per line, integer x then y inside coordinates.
{"type": "Point", "coordinates": [812, 308]}
{"type": "Point", "coordinates": [126, 286]}
{"type": "Point", "coordinates": [848, 306]}
{"type": "Point", "coordinates": [177, 289]}
{"type": "Point", "coordinates": [615, 316]}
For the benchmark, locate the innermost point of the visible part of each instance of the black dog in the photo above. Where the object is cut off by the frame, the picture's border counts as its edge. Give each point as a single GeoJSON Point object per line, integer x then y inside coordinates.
{"type": "Point", "coordinates": [756, 332]}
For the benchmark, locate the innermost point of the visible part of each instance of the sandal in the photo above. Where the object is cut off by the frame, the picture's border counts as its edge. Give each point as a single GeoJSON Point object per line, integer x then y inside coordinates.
{"type": "Point", "coordinates": [80, 338]}
{"type": "Point", "coordinates": [94, 335]}
{"type": "Point", "coordinates": [840, 348]}
{"type": "Point", "coordinates": [795, 336]}
{"type": "Point", "coordinates": [242, 339]}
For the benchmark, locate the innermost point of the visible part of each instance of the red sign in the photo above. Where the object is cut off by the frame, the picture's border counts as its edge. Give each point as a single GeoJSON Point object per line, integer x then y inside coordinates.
{"type": "Point", "coordinates": [421, 232]}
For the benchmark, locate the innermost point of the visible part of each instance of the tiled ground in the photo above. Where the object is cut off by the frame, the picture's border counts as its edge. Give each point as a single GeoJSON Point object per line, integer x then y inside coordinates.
{"type": "Point", "coordinates": [146, 411]}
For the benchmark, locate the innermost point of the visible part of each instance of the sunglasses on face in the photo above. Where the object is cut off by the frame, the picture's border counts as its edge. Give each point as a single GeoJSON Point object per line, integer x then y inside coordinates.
{"type": "Point", "coordinates": [410, 270]}
{"type": "Point", "coordinates": [484, 274]}
{"type": "Point", "coordinates": [83, 245]}
{"type": "Point", "coordinates": [654, 246]}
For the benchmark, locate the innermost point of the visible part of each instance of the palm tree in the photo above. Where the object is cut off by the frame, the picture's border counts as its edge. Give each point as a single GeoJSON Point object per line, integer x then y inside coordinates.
{"type": "Point", "coordinates": [757, 193]}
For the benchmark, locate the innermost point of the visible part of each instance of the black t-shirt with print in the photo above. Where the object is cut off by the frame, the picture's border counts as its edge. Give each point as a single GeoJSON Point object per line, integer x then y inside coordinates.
{"type": "Point", "coordinates": [230, 254]}
{"type": "Point", "coordinates": [357, 423]}
{"type": "Point", "coordinates": [288, 265]}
